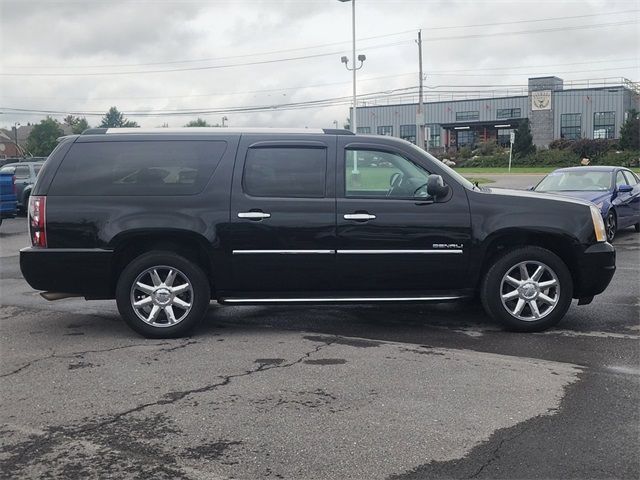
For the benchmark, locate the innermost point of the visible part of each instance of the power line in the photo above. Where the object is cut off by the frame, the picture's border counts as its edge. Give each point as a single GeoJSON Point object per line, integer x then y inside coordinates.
{"type": "Point", "coordinates": [363, 39]}
{"type": "Point", "coordinates": [306, 57]}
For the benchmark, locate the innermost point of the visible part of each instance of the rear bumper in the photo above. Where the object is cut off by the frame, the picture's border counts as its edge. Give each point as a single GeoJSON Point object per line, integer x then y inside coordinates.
{"type": "Point", "coordinates": [85, 272]}
{"type": "Point", "coordinates": [595, 270]}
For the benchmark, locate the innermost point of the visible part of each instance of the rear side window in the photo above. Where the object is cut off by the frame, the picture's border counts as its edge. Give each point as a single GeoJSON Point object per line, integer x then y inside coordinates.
{"type": "Point", "coordinates": [137, 168]}
{"type": "Point", "coordinates": [36, 169]}
{"type": "Point", "coordinates": [285, 172]}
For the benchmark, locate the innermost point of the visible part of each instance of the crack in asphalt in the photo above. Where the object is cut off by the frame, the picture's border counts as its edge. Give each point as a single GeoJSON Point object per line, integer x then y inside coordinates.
{"type": "Point", "coordinates": [495, 455]}
{"type": "Point", "coordinates": [80, 354]}
{"type": "Point", "coordinates": [59, 433]}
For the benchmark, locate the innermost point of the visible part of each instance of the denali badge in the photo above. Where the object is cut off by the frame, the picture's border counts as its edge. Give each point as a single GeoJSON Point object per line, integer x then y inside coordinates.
{"type": "Point", "coordinates": [459, 246]}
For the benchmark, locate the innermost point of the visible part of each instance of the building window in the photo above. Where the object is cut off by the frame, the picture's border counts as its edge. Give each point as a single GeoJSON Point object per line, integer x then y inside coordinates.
{"type": "Point", "coordinates": [504, 136]}
{"type": "Point", "coordinates": [604, 125]}
{"type": "Point", "coordinates": [571, 126]}
{"type": "Point", "coordinates": [471, 115]}
{"type": "Point", "coordinates": [364, 130]}
{"type": "Point", "coordinates": [508, 113]}
{"type": "Point", "coordinates": [466, 138]}
{"type": "Point", "coordinates": [385, 130]}
{"type": "Point", "coordinates": [408, 133]}
{"type": "Point", "coordinates": [434, 136]}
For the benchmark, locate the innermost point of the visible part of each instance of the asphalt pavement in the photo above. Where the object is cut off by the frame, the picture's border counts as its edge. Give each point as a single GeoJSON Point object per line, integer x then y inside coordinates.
{"type": "Point", "coordinates": [358, 392]}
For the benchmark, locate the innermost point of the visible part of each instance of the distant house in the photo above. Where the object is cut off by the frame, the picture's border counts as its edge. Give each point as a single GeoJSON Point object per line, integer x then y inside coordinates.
{"type": "Point", "coordinates": [8, 147]}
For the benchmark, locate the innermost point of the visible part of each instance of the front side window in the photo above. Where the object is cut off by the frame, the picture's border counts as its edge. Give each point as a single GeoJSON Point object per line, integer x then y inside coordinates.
{"type": "Point", "coordinates": [470, 115]}
{"type": "Point", "coordinates": [632, 179]}
{"type": "Point", "coordinates": [620, 179]}
{"type": "Point", "coordinates": [385, 130]}
{"type": "Point", "coordinates": [408, 133]}
{"type": "Point", "coordinates": [371, 173]}
{"type": "Point", "coordinates": [285, 172]}
{"type": "Point", "coordinates": [137, 168]}
{"type": "Point", "coordinates": [570, 125]}
{"type": "Point", "coordinates": [604, 125]}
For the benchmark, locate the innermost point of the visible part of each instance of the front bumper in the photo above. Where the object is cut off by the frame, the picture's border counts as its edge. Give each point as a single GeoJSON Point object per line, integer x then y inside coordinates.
{"type": "Point", "coordinates": [85, 272]}
{"type": "Point", "coordinates": [595, 269]}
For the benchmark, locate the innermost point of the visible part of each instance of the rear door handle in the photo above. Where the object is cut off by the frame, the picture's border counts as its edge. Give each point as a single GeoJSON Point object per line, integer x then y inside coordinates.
{"type": "Point", "coordinates": [359, 216]}
{"type": "Point", "coordinates": [254, 215]}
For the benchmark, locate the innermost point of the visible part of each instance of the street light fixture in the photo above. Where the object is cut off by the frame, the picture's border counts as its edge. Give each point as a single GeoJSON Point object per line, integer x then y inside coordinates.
{"type": "Point", "coordinates": [345, 60]}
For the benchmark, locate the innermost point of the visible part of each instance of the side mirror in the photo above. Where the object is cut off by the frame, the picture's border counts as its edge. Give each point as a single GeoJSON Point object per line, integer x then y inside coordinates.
{"type": "Point", "coordinates": [625, 188]}
{"type": "Point", "coordinates": [436, 187]}
{"type": "Point", "coordinates": [531, 188]}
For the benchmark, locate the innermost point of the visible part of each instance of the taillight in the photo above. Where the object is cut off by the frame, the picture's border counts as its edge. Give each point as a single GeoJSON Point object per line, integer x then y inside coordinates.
{"type": "Point", "coordinates": [38, 220]}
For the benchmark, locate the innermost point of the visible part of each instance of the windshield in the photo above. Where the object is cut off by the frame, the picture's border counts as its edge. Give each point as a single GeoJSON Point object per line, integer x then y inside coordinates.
{"type": "Point", "coordinates": [591, 181]}
{"type": "Point", "coordinates": [450, 171]}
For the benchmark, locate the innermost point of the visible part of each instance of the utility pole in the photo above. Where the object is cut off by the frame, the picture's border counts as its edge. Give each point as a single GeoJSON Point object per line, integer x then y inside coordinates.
{"type": "Point", "coordinates": [420, 113]}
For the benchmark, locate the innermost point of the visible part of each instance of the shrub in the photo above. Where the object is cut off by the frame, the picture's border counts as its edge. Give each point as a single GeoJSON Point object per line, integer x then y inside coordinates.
{"type": "Point", "coordinates": [588, 148]}
{"type": "Point", "coordinates": [627, 158]}
{"type": "Point", "coordinates": [464, 153]}
{"type": "Point", "coordinates": [561, 144]}
{"type": "Point", "coordinates": [487, 148]}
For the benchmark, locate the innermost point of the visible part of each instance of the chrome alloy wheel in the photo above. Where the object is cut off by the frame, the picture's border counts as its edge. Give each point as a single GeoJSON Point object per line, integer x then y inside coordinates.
{"type": "Point", "coordinates": [161, 296]}
{"type": "Point", "coordinates": [530, 291]}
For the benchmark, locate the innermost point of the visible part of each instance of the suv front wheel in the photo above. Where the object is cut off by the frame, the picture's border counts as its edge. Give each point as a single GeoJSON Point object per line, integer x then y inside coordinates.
{"type": "Point", "coordinates": [527, 289]}
{"type": "Point", "coordinates": [162, 295]}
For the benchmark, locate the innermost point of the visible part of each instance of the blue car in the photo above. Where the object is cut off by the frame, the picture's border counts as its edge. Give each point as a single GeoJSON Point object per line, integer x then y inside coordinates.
{"type": "Point", "coordinates": [615, 191]}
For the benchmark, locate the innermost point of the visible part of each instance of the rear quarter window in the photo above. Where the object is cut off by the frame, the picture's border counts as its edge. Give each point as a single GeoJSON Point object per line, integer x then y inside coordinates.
{"type": "Point", "coordinates": [137, 168]}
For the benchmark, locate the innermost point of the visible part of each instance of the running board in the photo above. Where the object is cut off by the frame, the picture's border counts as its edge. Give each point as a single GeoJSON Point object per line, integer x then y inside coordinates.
{"type": "Point", "coordinates": [341, 299]}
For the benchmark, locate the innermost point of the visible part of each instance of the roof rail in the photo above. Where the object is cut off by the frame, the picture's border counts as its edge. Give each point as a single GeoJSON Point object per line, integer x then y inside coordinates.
{"type": "Point", "coordinates": [327, 131]}
{"type": "Point", "coordinates": [94, 131]}
{"type": "Point", "coordinates": [337, 131]}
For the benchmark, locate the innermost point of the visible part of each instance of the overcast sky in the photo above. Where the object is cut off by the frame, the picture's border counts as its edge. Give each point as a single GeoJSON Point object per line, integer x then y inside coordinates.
{"type": "Point", "coordinates": [85, 56]}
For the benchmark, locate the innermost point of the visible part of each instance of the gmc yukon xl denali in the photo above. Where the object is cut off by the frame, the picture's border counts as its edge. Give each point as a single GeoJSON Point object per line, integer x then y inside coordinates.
{"type": "Point", "coordinates": [163, 221]}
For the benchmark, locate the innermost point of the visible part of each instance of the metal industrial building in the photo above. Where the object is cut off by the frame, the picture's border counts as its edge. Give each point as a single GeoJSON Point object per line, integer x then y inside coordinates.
{"type": "Point", "coordinates": [553, 111]}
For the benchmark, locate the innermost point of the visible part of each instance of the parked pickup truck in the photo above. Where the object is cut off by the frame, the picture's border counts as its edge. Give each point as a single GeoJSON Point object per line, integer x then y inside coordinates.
{"type": "Point", "coordinates": [165, 220]}
{"type": "Point", "coordinates": [8, 202]}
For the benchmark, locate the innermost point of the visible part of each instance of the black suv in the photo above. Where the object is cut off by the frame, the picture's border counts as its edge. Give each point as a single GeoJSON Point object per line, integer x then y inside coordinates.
{"type": "Point", "coordinates": [166, 220]}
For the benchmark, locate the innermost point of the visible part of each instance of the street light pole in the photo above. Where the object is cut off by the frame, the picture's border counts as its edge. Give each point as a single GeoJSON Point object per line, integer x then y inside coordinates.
{"type": "Point", "coordinates": [361, 59]}
{"type": "Point", "coordinates": [354, 121]}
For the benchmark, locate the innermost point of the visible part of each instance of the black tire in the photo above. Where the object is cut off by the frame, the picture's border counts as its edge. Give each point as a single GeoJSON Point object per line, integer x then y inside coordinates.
{"type": "Point", "coordinates": [494, 282]}
{"type": "Point", "coordinates": [197, 296]}
{"type": "Point", "coordinates": [611, 225]}
{"type": "Point", "coordinates": [637, 227]}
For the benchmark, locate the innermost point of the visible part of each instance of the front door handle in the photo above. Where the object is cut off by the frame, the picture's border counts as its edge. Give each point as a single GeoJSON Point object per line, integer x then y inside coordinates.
{"type": "Point", "coordinates": [362, 217]}
{"type": "Point", "coordinates": [254, 215]}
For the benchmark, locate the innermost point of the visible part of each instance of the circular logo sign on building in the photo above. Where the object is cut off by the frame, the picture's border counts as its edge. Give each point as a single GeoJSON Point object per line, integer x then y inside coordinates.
{"type": "Point", "coordinates": [541, 100]}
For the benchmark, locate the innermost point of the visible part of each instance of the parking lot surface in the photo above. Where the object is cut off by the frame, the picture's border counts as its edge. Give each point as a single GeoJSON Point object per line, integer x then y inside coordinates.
{"type": "Point", "coordinates": [363, 392]}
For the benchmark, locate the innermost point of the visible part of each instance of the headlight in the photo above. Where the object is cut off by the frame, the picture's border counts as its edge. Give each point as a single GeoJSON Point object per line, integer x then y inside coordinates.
{"type": "Point", "coordinates": [598, 224]}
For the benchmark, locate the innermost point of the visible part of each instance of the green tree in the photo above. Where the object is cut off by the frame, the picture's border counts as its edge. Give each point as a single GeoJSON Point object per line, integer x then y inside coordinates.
{"type": "Point", "coordinates": [630, 132]}
{"type": "Point", "coordinates": [77, 124]}
{"type": "Point", "coordinates": [199, 122]}
{"type": "Point", "coordinates": [523, 144]}
{"type": "Point", "coordinates": [113, 119]}
{"type": "Point", "coordinates": [44, 137]}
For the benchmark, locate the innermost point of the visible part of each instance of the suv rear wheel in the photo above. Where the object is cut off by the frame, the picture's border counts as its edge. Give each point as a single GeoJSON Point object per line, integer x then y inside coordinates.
{"type": "Point", "coordinates": [162, 295]}
{"type": "Point", "coordinates": [527, 289]}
